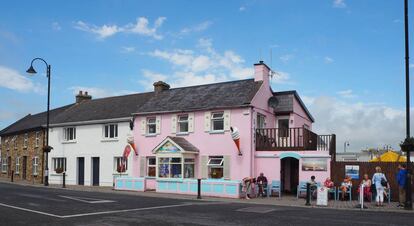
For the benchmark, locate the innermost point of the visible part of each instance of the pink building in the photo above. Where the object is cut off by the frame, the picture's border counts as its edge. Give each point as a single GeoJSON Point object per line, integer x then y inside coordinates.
{"type": "Point", "coordinates": [183, 134]}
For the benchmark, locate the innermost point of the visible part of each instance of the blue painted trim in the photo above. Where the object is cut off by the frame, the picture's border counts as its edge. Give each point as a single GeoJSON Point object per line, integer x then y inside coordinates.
{"type": "Point", "coordinates": [289, 154]}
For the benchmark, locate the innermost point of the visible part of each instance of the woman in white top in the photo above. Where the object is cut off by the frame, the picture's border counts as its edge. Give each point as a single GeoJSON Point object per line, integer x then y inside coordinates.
{"type": "Point", "coordinates": [376, 179]}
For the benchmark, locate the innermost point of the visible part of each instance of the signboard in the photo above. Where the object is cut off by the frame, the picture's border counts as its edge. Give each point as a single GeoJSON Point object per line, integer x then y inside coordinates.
{"type": "Point", "coordinates": [314, 164]}
{"type": "Point", "coordinates": [352, 171]}
{"type": "Point", "coordinates": [322, 197]}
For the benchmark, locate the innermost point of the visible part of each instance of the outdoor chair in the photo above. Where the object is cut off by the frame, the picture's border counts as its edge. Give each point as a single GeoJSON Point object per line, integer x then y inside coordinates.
{"type": "Point", "coordinates": [332, 191]}
{"type": "Point", "coordinates": [274, 187]}
{"type": "Point", "coordinates": [348, 191]}
{"type": "Point", "coordinates": [301, 189]}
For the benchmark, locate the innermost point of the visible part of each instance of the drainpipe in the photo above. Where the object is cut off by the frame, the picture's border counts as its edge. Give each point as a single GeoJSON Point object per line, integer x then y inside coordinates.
{"type": "Point", "coordinates": [252, 144]}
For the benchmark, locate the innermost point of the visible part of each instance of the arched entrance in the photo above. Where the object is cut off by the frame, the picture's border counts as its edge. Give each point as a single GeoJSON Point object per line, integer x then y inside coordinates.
{"type": "Point", "coordinates": [289, 172]}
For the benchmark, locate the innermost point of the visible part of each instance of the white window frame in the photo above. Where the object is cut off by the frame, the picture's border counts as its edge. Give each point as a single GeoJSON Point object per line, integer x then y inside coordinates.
{"type": "Point", "coordinates": [66, 134]}
{"type": "Point", "coordinates": [151, 124]}
{"type": "Point", "coordinates": [192, 162]}
{"type": "Point", "coordinates": [151, 165]}
{"type": "Point", "coordinates": [4, 165]}
{"type": "Point", "coordinates": [58, 162]}
{"type": "Point", "coordinates": [213, 119]}
{"type": "Point", "coordinates": [106, 132]}
{"type": "Point", "coordinates": [118, 162]}
{"type": "Point", "coordinates": [37, 139]}
{"type": "Point", "coordinates": [211, 165]}
{"type": "Point", "coordinates": [25, 140]}
{"type": "Point", "coordinates": [17, 168]}
{"type": "Point", "coordinates": [182, 120]}
{"type": "Point", "coordinates": [35, 169]}
{"type": "Point", "coordinates": [170, 163]}
{"type": "Point", "coordinates": [14, 139]}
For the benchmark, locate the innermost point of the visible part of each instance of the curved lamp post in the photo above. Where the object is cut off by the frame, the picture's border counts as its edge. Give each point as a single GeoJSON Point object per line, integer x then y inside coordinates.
{"type": "Point", "coordinates": [47, 148]}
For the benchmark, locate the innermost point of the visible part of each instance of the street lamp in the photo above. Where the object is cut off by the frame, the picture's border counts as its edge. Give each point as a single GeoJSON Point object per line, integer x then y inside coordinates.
{"type": "Point", "coordinates": [346, 144]}
{"type": "Point", "coordinates": [408, 203]}
{"type": "Point", "coordinates": [47, 148]}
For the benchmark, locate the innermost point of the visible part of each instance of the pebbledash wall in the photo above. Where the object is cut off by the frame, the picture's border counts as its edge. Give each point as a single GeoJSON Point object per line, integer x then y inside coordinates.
{"type": "Point", "coordinates": [236, 167]}
{"type": "Point", "coordinates": [89, 143]}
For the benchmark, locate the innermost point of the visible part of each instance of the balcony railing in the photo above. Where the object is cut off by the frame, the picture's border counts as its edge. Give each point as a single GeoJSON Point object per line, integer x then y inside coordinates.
{"type": "Point", "coordinates": [299, 139]}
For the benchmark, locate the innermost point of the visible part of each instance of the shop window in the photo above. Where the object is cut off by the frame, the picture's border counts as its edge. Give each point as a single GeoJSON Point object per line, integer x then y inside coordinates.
{"type": "Point", "coordinates": [183, 123]}
{"type": "Point", "coordinates": [16, 171]}
{"type": "Point", "coordinates": [215, 167]}
{"type": "Point", "coordinates": [217, 121]}
{"type": "Point", "coordinates": [151, 166]}
{"type": "Point", "coordinates": [59, 164]}
{"type": "Point", "coordinates": [151, 126]}
{"type": "Point", "coordinates": [69, 134]}
{"type": "Point", "coordinates": [35, 165]}
{"type": "Point", "coordinates": [118, 167]}
{"type": "Point", "coordinates": [110, 131]}
{"type": "Point", "coordinates": [170, 168]}
{"type": "Point", "coordinates": [189, 168]}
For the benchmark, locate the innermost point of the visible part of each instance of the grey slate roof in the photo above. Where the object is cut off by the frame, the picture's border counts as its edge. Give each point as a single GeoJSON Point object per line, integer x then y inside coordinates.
{"type": "Point", "coordinates": [285, 103]}
{"type": "Point", "coordinates": [32, 122]}
{"type": "Point", "coordinates": [211, 96]}
{"type": "Point", "coordinates": [103, 108]}
{"type": "Point", "coordinates": [184, 144]}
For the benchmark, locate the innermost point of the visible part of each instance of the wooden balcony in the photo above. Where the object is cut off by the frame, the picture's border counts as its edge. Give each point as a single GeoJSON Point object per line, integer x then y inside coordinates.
{"type": "Point", "coordinates": [293, 139]}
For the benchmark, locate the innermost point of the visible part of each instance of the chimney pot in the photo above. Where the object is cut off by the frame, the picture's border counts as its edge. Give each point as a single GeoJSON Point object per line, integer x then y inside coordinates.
{"type": "Point", "coordinates": [82, 97]}
{"type": "Point", "coordinates": [160, 86]}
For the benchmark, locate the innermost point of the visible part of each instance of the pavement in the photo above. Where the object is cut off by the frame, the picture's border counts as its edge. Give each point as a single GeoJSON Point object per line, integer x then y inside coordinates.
{"type": "Point", "coordinates": [23, 204]}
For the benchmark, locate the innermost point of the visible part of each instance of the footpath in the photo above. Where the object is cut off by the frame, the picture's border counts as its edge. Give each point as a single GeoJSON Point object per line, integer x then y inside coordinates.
{"type": "Point", "coordinates": [288, 201]}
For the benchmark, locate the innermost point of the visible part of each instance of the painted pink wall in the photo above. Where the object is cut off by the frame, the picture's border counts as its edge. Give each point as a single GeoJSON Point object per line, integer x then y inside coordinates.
{"type": "Point", "coordinates": [208, 144]}
{"type": "Point", "coordinates": [299, 115]}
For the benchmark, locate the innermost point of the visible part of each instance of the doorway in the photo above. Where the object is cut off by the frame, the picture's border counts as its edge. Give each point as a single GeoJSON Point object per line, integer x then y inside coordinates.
{"type": "Point", "coordinates": [81, 170]}
{"type": "Point", "coordinates": [24, 167]}
{"type": "Point", "coordinates": [95, 171]}
{"type": "Point", "coordinates": [289, 174]}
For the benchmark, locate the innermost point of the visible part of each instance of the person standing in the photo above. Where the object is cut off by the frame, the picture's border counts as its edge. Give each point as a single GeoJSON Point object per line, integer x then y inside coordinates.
{"type": "Point", "coordinates": [380, 182]}
{"type": "Point", "coordinates": [401, 179]}
{"type": "Point", "coordinates": [262, 182]}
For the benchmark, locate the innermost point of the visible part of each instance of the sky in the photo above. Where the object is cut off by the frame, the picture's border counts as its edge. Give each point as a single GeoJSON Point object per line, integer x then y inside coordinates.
{"type": "Point", "coordinates": [344, 57]}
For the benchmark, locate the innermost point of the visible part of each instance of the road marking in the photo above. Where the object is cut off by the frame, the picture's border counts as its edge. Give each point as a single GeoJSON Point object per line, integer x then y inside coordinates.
{"type": "Point", "coordinates": [127, 210]}
{"type": "Point", "coordinates": [29, 210]}
{"type": "Point", "coordinates": [86, 200]}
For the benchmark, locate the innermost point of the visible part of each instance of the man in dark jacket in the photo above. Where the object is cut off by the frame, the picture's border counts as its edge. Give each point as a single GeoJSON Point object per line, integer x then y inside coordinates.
{"type": "Point", "coordinates": [401, 178]}
{"type": "Point", "coordinates": [262, 182]}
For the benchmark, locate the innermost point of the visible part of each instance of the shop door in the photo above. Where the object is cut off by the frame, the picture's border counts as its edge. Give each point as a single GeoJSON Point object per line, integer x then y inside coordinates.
{"type": "Point", "coordinates": [81, 171]}
{"type": "Point", "coordinates": [289, 174]}
{"type": "Point", "coordinates": [24, 167]}
{"type": "Point", "coordinates": [95, 171]}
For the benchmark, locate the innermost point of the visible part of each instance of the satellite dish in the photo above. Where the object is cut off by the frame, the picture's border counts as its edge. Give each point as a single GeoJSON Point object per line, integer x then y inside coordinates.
{"type": "Point", "coordinates": [273, 102]}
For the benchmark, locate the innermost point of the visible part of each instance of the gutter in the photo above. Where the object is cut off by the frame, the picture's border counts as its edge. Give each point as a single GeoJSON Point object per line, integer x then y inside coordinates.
{"type": "Point", "coordinates": [90, 122]}
{"type": "Point", "coordinates": [191, 110]}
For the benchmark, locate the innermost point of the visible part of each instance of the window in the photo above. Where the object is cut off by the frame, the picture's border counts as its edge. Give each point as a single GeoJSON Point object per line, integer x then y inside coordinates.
{"type": "Point", "coordinates": [188, 168]}
{"type": "Point", "coordinates": [151, 126]}
{"type": "Point", "coordinates": [183, 123]}
{"type": "Point", "coordinates": [170, 168]}
{"type": "Point", "coordinates": [4, 165]}
{"type": "Point", "coordinates": [37, 140]}
{"type": "Point", "coordinates": [14, 139]}
{"type": "Point", "coordinates": [59, 164]}
{"type": "Point", "coordinates": [118, 164]}
{"type": "Point", "coordinates": [261, 121]}
{"type": "Point", "coordinates": [35, 165]}
{"type": "Point", "coordinates": [110, 131]}
{"type": "Point", "coordinates": [215, 167]}
{"type": "Point", "coordinates": [151, 166]}
{"type": "Point", "coordinates": [16, 171]}
{"type": "Point", "coordinates": [283, 127]}
{"type": "Point", "coordinates": [26, 137]}
{"type": "Point", "coordinates": [217, 121]}
{"type": "Point", "coordinates": [69, 134]}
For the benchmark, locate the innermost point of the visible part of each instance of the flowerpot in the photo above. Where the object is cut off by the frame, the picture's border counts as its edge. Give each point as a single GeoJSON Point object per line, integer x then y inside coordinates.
{"type": "Point", "coordinates": [407, 147]}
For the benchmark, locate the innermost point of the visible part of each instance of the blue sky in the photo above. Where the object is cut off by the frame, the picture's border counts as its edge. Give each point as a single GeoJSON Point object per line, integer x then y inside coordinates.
{"type": "Point", "coordinates": [344, 57]}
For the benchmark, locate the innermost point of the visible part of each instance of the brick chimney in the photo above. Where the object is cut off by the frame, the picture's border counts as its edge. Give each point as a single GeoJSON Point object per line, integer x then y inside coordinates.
{"type": "Point", "coordinates": [261, 72]}
{"type": "Point", "coordinates": [160, 86]}
{"type": "Point", "coordinates": [82, 97]}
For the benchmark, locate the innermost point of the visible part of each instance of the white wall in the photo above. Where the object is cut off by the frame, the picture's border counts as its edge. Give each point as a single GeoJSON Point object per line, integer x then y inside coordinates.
{"type": "Point", "coordinates": [89, 143]}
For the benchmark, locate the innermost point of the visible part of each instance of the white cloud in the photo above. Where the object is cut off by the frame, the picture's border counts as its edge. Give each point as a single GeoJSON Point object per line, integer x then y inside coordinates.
{"type": "Point", "coordinates": [328, 60]}
{"type": "Point", "coordinates": [127, 49]}
{"type": "Point", "coordinates": [56, 26]}
{"type": "Point", "coordinates": [12, 79]}
{"type": "Point", "coordinates": [197, 28]}
{"type": "Point", "coordinates": [346, 93]}
{"type": "Point", "coordinates": [242, 8]}
{"type": "Point", "coordinates": [280, 77]}
{"type": "Point", "coordinates": [97, 92]}
{"type": "Point", "coordinates": [362, 124]}
{"type": "Point", "coordinates": [141, 27]}
{"type": "Point", "coordinates": [339, 4]}
{"type": "Point", "coordinates": [286, 58]}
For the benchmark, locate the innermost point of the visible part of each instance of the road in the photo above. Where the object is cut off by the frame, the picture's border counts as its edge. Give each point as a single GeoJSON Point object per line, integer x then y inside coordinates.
{"type": "Point", "coordinates": [27, 205]}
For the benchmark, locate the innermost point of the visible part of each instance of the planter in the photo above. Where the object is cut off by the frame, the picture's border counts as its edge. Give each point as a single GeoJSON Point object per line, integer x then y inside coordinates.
{"type": "Point", "coordinates": [59, 170]}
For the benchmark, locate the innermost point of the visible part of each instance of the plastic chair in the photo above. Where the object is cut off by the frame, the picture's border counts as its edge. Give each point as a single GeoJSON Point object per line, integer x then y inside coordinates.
{"type": "Point", "coordinates": [301, 189]}
{"type": "Point", "coordinates": [348, 191]}
{"type": "Point", "coordinates": [332, 190]}
{"type": "Point", "coordinates": [274, 186]}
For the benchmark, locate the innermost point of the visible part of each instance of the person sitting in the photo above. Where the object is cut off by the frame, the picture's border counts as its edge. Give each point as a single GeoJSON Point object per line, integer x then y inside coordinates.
{"type": "Point", "coordinates": [262, 182]}
{"type": "Point", "coordinates": [313, 186]}
{"type": "Point", "coordinates": [367, 187]}
{"type": "Point", "coordinates": [345, 186]}
{"type": "Point", "coordinates": [328, 183]}
{"type": "Point", "coordinates": [248, 186]}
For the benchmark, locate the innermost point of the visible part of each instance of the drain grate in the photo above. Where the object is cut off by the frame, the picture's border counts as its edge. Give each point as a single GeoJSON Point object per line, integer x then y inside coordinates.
{"type": "Point", "coordinates": [257, 209]}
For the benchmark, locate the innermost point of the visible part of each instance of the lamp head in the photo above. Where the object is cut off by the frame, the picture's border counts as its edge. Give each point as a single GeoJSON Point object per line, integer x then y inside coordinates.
{"type": "Point", "coordinates": [31, 70]}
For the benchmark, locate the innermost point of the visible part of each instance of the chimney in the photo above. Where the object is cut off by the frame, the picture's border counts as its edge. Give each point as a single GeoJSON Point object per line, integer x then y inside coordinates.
{"type": "Point", "coordinates": [160, 86]}
{"type": "Point", "coordinates": [82, 97]}
{"type": "Point", "coordinates": [261, 72]}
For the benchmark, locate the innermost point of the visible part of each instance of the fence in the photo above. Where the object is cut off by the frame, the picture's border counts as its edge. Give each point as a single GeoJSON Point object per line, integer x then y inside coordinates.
{"type": "Point", "coordinates": [390, 169]}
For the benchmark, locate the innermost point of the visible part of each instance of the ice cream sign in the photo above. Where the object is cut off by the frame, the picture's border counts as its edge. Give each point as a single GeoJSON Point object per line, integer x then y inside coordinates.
{"type": "Point", "coordinates": [235, 135]}
{"type": "Point", "coordinates": [168, 147]}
